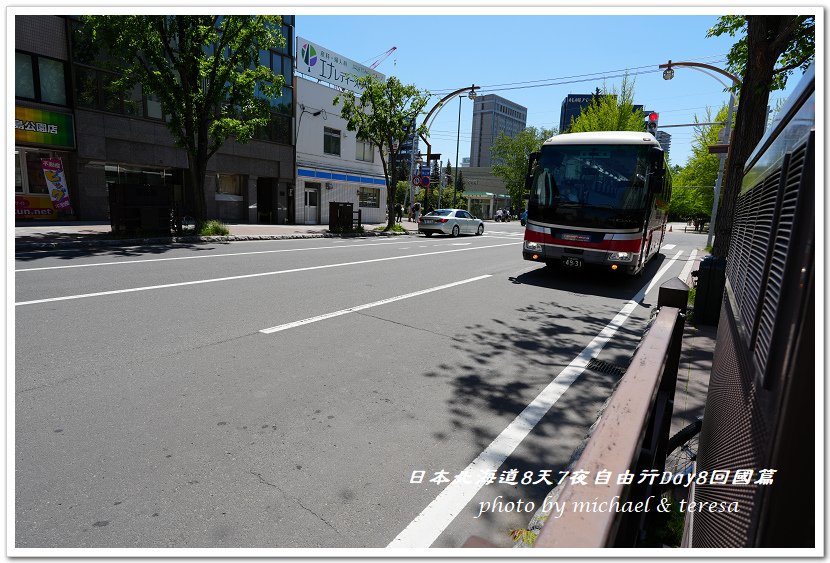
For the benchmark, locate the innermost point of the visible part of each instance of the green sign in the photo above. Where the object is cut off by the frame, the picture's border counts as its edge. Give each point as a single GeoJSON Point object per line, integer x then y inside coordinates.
{"type": "Point", "coordinates": [40, 127]}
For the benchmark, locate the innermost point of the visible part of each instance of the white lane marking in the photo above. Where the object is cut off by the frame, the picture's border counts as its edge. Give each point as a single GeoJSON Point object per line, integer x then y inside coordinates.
{"type": "Point", "coordinates": [247, 276]}
{"type": "Point", "coordinates": [126, 262]}
{"type": "Point", "coordinates": [668, 246]}
{"type": "Point", "coordinates": [461, 244]}
{"type": "Point", "coordinates": [434, 519]}
{"type": "Point", "coordinates": [687, 269]}
{"type": "Point", "coordinates": [310, 320]}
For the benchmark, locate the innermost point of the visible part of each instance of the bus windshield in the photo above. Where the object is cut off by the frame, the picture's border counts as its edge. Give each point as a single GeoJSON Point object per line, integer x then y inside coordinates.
{"type": "Point", "coordinates": [599, 186]}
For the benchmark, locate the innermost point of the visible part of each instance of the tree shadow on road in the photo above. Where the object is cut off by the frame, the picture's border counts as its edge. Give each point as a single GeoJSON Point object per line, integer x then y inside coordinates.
{"type": "Point", "coordinates": [504, 365]}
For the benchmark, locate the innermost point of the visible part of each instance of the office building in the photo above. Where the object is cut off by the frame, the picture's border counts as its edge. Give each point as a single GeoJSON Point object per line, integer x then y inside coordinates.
{"type": "Point", "coordinates": [493, 115]}
{"type": "Point", "coordinates": [333, 165]}
{"type": "Point", "coordinates": [575, 104]}
{"type": "Point", "coordinates": [665, 141]}
{"type": "Point", "coordinates": [66, 116]}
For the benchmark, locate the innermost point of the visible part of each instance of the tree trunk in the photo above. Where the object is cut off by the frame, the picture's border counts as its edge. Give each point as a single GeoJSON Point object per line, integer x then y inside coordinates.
{"type": "Point", "coordinates": [391, 184]}
{"type": "Point", "coordinates": [197, 163]}
{"type": "Point", "coordinates": [763, 34]}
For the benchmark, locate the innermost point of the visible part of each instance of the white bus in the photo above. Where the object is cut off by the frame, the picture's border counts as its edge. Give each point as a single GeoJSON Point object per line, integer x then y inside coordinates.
{"type": "Point", "coordinates": [599, 199]}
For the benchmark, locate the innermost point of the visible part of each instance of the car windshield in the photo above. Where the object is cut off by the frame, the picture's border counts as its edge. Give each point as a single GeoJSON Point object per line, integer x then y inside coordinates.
{"type": "Point", "coordinates": [440, 212]}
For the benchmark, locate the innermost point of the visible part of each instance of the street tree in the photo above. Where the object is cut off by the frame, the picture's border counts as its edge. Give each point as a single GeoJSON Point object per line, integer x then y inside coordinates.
{"type": "Point", "coordinates": [701, 169]}
{"type": "Point", "coordinates": [511, 156]}
{"type": "Point", "coordinates": [206, 73]}
{"type": "Point", "coordinates": [784, 40]}
{"type": "Point", "coordinates": [694, 183]}
{"type": "Point", "coordinates": [610, 111]}
{"type": "Point", "coordinates": [384, 114]}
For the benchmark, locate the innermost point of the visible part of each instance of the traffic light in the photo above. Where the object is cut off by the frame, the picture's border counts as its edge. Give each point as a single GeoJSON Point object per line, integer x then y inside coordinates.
{"type": "Point", "coordinates": [651, 123]}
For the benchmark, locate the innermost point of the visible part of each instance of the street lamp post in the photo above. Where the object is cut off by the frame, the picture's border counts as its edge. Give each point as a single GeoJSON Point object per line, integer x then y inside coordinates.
{"type": "Point", "coordinates": [471, 94]}
{"type": "Point", "coordinates": [457, 144]}
{"type": "Point", "coordinates": [668, 74]}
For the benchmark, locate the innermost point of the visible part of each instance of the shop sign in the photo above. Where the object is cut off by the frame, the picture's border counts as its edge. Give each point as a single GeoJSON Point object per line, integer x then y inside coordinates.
{"type": "Point", "coordinates": [41, 127]}
{"type": "Point", "coordinates": [321, 63]}
{"type": "Point", "coordinates": [56, 182]}
{"type": "Point", "coordinates": [33, 207]}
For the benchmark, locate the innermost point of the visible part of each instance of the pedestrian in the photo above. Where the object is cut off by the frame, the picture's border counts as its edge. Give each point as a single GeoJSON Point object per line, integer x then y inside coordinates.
{"type": "Point", "coordinates": [416, 211]}
{"type": "Point", "coordinates": [398, 212]}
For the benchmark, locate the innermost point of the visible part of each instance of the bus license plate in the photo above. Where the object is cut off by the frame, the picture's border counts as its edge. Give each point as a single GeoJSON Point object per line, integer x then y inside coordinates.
{"type": "Point", "coordinates": [572, 262]}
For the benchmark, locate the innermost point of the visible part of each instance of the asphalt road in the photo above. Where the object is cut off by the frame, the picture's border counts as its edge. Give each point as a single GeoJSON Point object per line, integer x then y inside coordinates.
{"type": "Point", "coordinates": [152, 411]}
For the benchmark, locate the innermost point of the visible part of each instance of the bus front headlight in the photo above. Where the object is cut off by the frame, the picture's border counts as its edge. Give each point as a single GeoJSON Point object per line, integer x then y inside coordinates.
{"type": "Point", "coordinates": [620, 256]}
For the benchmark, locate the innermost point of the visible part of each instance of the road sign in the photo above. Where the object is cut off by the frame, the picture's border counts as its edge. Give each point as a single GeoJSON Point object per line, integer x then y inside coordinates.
{"type": "Point", "coordinates": [416, 180]}
{"type": "Point", "coordinates": [425, 181]}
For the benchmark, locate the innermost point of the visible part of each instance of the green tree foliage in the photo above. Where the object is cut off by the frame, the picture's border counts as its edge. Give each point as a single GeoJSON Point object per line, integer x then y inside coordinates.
{"type": "Point", "coordinates": [511, 155]}
{"type": "Point", "coordinates": [610, 111]}
{"type": "Point", "coordinates": [694, 183]}
{"type": "Point", "coordinates": [702, 168]}
{"type": "Point", "coordinates": [799, 52]}
{"type": "Point", "coordinates": [206, 73]}
{"type": "Point", "coordinates": [784, 40]}
{"type": "Point", "coordinates": [384, 114]}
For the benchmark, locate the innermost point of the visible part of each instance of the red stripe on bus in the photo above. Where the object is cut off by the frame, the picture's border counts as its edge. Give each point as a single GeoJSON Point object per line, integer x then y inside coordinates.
{"type": "Point", "coordinates": [631, 245]}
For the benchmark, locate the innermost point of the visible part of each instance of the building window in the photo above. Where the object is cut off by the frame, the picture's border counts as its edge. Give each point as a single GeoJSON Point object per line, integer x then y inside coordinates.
{"type": "Point", "coordinates": [331, 141]}
{"type": "Point", "coordinates": [369, 197]}
{"type": "Point", "coordinates": [40, 79]}
{"type": "Point", "coordinates": [24, 78]}
{"type": "Point", "coordinates": [230, 184]}
{"type": "Point", "coordinates": [365, 151]}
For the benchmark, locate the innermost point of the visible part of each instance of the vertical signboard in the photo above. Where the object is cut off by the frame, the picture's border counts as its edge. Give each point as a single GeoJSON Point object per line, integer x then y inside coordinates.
{"type": "Point", "coordinates": [56, 182]}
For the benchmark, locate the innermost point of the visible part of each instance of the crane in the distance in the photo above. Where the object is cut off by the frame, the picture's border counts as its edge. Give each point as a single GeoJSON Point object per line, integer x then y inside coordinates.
{"type": "Point", "coordinates": [382, 57]}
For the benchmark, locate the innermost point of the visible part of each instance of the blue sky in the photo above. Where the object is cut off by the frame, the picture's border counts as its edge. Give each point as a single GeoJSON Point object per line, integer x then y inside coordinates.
{"type": "Point", "coordinates": [441, 53]}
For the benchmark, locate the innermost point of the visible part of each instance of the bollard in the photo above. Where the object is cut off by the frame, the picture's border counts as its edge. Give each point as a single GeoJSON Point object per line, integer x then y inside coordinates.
{"type": "Point", "coordinates": [711, 280]}
{"type": "Point", "coordinates": [674, 293]}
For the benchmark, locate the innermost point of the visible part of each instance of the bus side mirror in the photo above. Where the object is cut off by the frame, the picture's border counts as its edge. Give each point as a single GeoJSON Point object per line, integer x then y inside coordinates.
{"type": "Point", "coordinates": [655, 158]}
{"type": "Point", "coordinates": [655, 181]}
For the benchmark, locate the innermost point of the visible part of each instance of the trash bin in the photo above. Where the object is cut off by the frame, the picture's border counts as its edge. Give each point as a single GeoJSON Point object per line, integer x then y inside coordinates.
{"type": "Point", "coordinates": [340, 216]}
{"type": "Point", "coordinates": [711, 280]}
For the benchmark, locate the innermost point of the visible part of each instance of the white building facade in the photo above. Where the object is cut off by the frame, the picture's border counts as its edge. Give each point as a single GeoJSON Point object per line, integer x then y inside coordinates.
{"type": "Point", "coordinates": [332, 165]}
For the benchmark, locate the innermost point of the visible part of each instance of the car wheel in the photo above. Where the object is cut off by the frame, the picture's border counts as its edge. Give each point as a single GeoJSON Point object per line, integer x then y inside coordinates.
{"type": "Point", "coordinates": [455, 230]}
{"type": "Point", "coordinates": [480, 230]}
{"type": "Point", "coordinates": [427, 234]}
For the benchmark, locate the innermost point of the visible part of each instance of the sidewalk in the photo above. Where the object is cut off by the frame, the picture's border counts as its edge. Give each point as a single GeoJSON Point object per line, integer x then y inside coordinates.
{"type": "Point", "coordinates": [693, 371]}
{"type": "Point", "coordinates": [32, 235]}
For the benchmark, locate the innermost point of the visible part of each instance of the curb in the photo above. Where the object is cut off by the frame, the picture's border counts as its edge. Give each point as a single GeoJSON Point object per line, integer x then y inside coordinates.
{"type": "Point", "coordinates": [189, 239]}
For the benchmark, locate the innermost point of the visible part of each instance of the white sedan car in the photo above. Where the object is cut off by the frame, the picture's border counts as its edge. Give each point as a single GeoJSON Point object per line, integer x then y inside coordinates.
{"type": "Point", "coordinates": [451, 222]}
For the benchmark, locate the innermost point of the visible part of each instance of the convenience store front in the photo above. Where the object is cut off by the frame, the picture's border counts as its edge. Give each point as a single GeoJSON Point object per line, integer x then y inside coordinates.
{"type": "Point", "coordinates": [44, 141]}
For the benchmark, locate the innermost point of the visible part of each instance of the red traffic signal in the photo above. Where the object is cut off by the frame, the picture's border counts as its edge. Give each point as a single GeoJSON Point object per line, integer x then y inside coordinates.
{"type": "Point", "coordinates": [651, 123]}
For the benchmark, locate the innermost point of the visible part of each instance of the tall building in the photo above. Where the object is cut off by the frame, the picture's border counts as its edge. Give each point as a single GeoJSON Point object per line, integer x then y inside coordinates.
{"type": "Point", "coordinates": [573, 105]}
{"type": "Point", "coordinates": [493, 115]}
{"type": "Point", "coordinates": [665, 141]}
